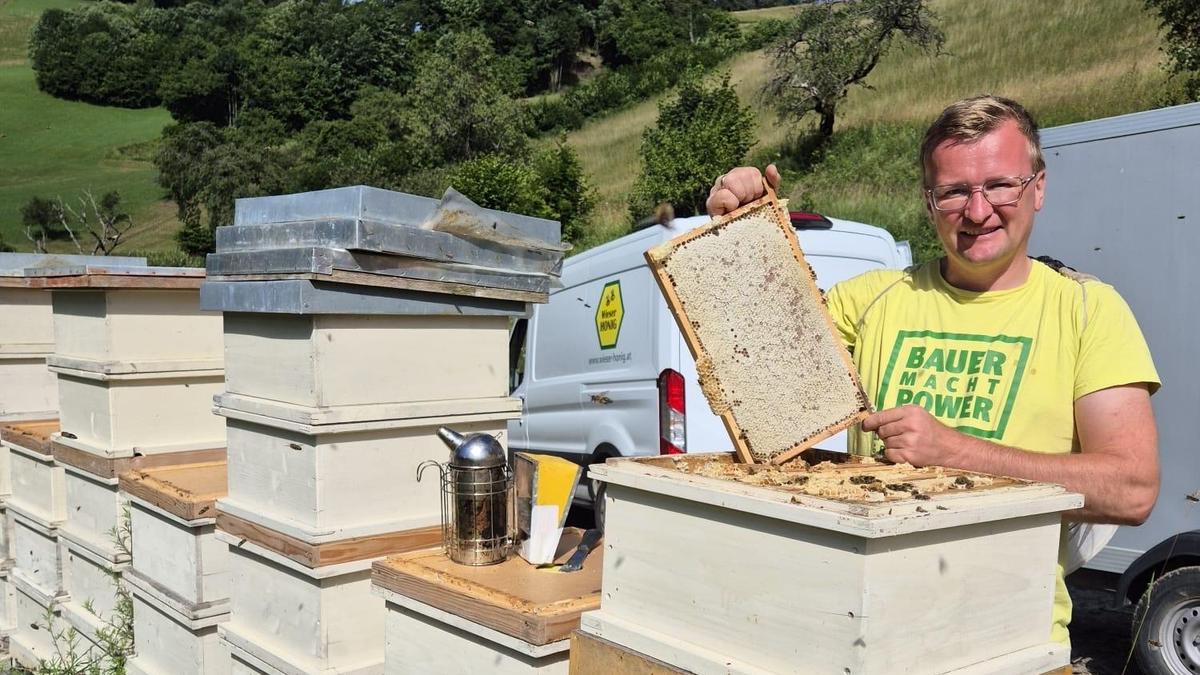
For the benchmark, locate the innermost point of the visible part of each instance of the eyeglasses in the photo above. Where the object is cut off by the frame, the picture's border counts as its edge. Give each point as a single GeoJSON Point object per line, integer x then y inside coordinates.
{"type": "Point", "coordinates": [997, 191]}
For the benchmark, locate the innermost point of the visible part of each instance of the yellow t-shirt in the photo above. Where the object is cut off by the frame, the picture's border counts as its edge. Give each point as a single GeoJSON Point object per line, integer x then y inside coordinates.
{"type": "Point", "coordinates": [1005, 366]}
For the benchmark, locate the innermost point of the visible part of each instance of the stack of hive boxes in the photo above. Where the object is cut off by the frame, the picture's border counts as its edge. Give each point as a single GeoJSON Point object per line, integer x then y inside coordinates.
{"type": "Point", "coordinates": [31, 482]}
{"type": "Point", "coordinates": [349, 340]}
{"type": "Point", "coordinates": [137, 365]}
{"type": "Point", "coordinates": [180, 572]}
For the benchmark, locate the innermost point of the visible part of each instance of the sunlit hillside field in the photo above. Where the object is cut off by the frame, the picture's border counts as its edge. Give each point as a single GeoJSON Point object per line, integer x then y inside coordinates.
{"type": "Point", "coordinates": [1067, 60]}
{"type": "Point", "coordinates": [55, 148]}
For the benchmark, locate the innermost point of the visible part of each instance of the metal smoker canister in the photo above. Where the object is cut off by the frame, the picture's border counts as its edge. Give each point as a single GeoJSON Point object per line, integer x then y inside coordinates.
{"type": "Point", "coordinates": [478, 483]}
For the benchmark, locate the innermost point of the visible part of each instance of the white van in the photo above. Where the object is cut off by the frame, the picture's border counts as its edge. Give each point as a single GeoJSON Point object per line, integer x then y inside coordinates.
{"type": "Point", "coordinates": [606, 371]}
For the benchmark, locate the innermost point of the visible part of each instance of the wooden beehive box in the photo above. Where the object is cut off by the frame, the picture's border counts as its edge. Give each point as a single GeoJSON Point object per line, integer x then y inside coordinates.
{"type": "Point", "coordinates": [324, 482]}
{"type": "Point", "coordinates": [845, 567]}
{"type": "Point", "coordinates": [27, 390]}
{"type": "Point", "coordinates": [512, 617]}
{"type": "Point", "coordinates": [295, 619]}
{"type": "Point", "coordinates": [180, 572]}
{"type": "Point", "coordinates": [768, 357]}
{"type": "Point", "coordinates": [38, 483]}
{"type": "Point", "coordinates": [136, 359]}
{"type": "Point", "coordinates": [327, 361]}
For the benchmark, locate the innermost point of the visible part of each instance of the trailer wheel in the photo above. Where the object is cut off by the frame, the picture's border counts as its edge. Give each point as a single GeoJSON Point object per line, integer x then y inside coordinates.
{"type": "Point", "coordinates": [1168, 615]}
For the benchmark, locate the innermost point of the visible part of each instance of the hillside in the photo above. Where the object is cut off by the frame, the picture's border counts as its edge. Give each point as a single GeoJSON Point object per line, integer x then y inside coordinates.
{"type": "Point", "coordinates": [50, 147]}
{"type": "Point", "coordinates": [1067, 60]}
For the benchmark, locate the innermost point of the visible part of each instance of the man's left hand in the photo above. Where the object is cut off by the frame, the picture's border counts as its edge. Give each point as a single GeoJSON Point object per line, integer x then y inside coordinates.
{"type": "Point", "coordinates": [910, 434]}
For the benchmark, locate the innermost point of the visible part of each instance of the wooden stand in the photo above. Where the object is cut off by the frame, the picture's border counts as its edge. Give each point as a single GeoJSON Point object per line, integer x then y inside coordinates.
{"type": "Point", "coordinates": [511, 617]}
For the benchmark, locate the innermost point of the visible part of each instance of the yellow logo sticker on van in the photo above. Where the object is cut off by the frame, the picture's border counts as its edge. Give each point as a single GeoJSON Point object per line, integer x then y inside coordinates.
{"type": "Point", "coordinates": [609, 313]}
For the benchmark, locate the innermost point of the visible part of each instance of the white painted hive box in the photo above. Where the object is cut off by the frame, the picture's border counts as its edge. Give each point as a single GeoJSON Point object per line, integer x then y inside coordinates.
{"type": "Point", "coordinates": [8, 604]}
{"type": "Point", "coordinates": [37, 559]}
{"type": "Point", "coordinates": [321, 483]}
{"type": "Point", "coordinates": [335, 360]}
{"type": "Point", "coordinates": [95, 513]}
{"type": "Point", "coordinates": [126, 414]}
{"type": "Point", "coordinates": [28, 390]}
{"type": "Point", "coordinates": [417, 643]}
{"type": "Point", "coordinates": [39, 487]}
{"type": "Point", "coordinates": [717, 576]}
{"type": "Point", "coordinates": [31, 641]}
{"type": "Point", "coordinates": [92, 583]}
{"type": "Point", "coordinates": [140, 325]}
{"type": "Point", "coordinates": [28, 325]}
{"type": "Point", "coordinates": [176, 555]}
{"type": "Point", "coordinates": [163, 645]}
{"type": "Point", "coordinates": [299, 620]}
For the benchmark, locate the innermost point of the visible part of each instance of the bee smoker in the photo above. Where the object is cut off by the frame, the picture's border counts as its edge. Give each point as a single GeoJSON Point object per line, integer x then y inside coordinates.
{"type": "Point", "coordinates": [476, 483]}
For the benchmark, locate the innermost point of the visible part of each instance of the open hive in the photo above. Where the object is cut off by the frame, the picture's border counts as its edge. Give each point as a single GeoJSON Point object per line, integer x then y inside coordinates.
{"type": "Point", "coordinates": [840, 477]}
{"type": "Point", "coordinates": [828, 564]}
{"type": "Point", "coordinates": [769, 361]}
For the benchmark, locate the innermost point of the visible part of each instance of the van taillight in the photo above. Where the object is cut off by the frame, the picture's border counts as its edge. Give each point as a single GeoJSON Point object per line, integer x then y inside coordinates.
{"type": "Point", "coordinates": [672, 406]}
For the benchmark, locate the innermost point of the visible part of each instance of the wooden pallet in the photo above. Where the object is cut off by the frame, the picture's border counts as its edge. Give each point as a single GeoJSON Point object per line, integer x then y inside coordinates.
{"type": "Point", "coordinates": [189, 491]}
{"type": "Point", "coordinates": [538, 606]}
{"type": "Point", "coordinates": [33, 435]}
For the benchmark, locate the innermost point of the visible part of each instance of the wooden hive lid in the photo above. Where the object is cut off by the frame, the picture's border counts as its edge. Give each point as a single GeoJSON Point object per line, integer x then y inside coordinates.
{"type": "Point", "coordinates": [33, 435]}
{"type": "Point", "coordinates": [538, 606]}
{"type": "Point", "coordinates": [189, 491]}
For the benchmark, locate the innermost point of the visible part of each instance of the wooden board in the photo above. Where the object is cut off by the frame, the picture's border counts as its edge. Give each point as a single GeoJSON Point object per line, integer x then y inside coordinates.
{"type": "Point", "coordinates": [388, 281]}
{"type": "Point", "coordinates": [538, 606]}
{"type": "Point", "coordinates": [591, 655]}
{"type": "Point", "coordinates": [331, 553]}
{"type": "Point", "coordinates": [189, 491]}
{"type": "Point", "coordinates": [99, 277]}
{"type": "Point", "coordinates": [784, 343]}
{"type": "Point", "coordinates": [34, 435]}
{"type": "Point", "coordinates": [106, 467]}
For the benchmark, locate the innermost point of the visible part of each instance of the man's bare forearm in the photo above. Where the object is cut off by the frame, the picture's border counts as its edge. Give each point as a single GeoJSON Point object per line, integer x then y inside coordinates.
{"type": "Point", "coordinates": [1113, 491]}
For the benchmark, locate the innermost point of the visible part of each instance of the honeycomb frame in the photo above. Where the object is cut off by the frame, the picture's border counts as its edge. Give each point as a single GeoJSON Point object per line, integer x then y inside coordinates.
{"type": "Point", "coordinates": [776, 397]}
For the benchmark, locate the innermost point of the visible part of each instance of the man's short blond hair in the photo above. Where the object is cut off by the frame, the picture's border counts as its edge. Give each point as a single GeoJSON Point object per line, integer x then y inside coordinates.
{"type": "Point", "coordinates": [966, 121]}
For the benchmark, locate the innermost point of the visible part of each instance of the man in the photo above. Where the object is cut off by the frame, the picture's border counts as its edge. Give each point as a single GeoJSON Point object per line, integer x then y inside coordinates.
{"type": "Point", "coordinates": [986, 360]}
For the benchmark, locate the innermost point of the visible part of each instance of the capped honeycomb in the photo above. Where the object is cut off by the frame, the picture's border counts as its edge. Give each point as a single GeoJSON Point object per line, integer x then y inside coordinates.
{"type": "Point", "coordinates": [769, 361]}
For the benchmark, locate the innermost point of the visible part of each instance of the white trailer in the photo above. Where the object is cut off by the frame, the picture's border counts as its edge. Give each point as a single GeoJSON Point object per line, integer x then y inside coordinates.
{"type": "Point", "coordinates": [1123, 204]}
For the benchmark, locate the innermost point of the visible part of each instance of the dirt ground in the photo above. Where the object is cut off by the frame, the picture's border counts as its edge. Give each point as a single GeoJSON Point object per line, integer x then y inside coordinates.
{"type": "Point", "coordinates": [1100, 642]}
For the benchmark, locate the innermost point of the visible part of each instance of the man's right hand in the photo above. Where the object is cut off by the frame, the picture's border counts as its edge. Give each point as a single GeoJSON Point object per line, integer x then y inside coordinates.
{"type": "Point", "coordinates": [740, 186]}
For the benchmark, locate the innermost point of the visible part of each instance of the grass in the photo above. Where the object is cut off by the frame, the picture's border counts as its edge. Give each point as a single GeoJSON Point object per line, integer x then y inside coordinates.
{"type": "Point", "coordinates": [1066, 60]}
{"type": "Point", "coordinates": [55, 148]}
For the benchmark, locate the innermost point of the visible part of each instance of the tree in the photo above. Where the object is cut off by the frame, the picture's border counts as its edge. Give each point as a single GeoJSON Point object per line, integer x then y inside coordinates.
{"type": "Point", "coordinates": [1180, 21]}
{"type": "Point", "coordinates": [569, 197]}
{"type": "Point", "coordinates": [102, 221]}
{"type": "Point", "coordinates": [504, 183]}
{"type": "Point", "coordinates": [42, 219]}
{"type": "Point", "coordinates": [462, 103]}
{"type": "Point", "coordinates": [698, 135]}
{"type": "Point", "coordinates": [831, 46]}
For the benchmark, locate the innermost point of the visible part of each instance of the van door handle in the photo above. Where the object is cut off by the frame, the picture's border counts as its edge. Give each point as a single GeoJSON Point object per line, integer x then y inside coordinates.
{"type": "Point", "coordinates": [601, 398]}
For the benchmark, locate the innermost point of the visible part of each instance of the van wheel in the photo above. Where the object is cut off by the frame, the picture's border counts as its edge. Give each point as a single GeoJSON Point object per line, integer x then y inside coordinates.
{"type": "Point", "coordinates": [1168, 615]}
